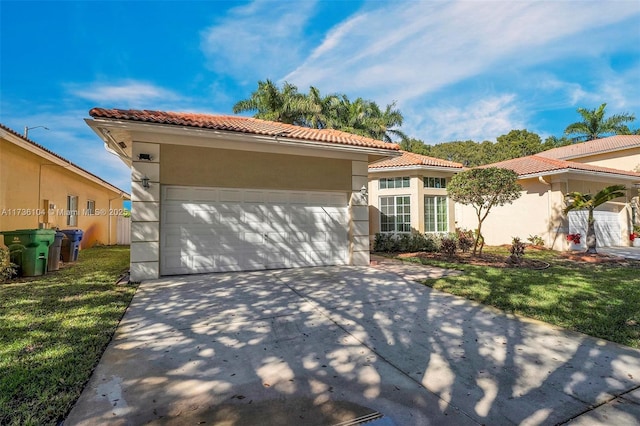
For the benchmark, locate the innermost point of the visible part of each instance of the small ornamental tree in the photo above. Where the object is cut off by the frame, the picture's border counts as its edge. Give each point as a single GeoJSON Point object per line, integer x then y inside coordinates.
{"type": "Point", "coordinates": [482, 189]}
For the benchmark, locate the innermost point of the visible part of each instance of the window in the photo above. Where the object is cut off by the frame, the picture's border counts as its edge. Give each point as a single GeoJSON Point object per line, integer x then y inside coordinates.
{"type": "Point", "coordinates": [436, 215]}
{"type": "Point", "coordinates": [434, 182]}
{"type": "Point", "coordinates": [390, 183]}
{"type": "Point", "coordinates": [395, 214]}
{"type": "Point", "coordinates": [72, 210]}
{"type": "Point", "coordinates": [91, 207]}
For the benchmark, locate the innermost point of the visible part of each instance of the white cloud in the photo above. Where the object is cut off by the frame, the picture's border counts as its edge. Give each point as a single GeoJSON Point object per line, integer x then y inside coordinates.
{"type": "Point", "coordinates": [479, 120]}
{"type": "Point", "coordinates": [260, 40]}
{"type": "Point", "coordinates": [405, 50]}
{"type": "Point", "coordinates": [129, 93]}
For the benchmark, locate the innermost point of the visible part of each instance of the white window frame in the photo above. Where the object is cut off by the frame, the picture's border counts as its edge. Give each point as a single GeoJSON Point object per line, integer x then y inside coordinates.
{"type": "Point", "coordinates": [394, 182]}
{"type": "Point", "coordinates": [72, 210]}
{"type": "Point", "coordinates": [91, 207]}
{"type": "Point", "coordinates": [437, 201]}
{"type": "Point", "coordinates": [438, 182]}
{"type": "Point", "coordinates": [405, 225]}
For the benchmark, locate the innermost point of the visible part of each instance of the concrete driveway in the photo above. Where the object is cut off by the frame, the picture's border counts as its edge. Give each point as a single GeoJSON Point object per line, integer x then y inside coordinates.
{"type": "Point", "coordinates": [346, 345]}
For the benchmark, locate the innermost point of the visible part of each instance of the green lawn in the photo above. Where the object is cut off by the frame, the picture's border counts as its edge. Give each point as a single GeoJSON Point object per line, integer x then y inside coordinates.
{"type": "Point", "coordinates": [602, 300]}
{"type": "Point", "coordinates": [53, 330]}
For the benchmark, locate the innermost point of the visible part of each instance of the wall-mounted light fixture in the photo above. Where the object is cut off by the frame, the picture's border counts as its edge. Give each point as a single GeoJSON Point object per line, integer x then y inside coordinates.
{"type": "Point", "coordinates": [146, 157]}
{"type": "Point", "coordinates": [145, 182]}
{"type": "Point", "coordinates": [364, 193]}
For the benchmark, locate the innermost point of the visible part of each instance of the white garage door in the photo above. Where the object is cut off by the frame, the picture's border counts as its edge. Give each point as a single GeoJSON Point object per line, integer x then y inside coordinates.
{"type": "Point", "coordinates": [607, 226]}
{"type": "Point", "coordinates": [221, 229]}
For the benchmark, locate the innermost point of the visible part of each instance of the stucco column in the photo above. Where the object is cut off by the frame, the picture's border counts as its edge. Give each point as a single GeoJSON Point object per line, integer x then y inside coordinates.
{"type": "Point", "coordinates": [145, 213]}
{"type": "Point", "coordinates": [359, 215]}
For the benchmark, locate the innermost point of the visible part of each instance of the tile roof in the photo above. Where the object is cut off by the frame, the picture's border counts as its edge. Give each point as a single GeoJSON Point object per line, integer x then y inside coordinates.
{"type": "Point", "coordinates": [583, 149]}
{"type": "Point", "coordinates": [535, 164]}
{"type": "Point", "coordinates": [241, 124]}
{"type": "Point", "coordinates": [411, 159]}
{"type": "Point", "coordinates": [37, 145]}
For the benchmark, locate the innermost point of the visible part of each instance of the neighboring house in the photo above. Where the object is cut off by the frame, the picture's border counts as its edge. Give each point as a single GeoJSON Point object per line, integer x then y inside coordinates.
{"type": "Point", "coordinates": [539, 211]}
{"type": "Point", "coordinates": [224, 193]}
{"type": "Point", "coordinates": [408, 193]}
{"type": "Point", "coordinates": [40, 189]}
{"type": "Point", "coordinates": [618, 152]}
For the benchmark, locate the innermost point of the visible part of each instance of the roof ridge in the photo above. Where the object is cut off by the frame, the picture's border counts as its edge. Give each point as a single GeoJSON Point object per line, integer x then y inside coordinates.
{"type": "Point", "coordinates": [47, 150]}
{"type": "Point", "coordinates": [244, 124]}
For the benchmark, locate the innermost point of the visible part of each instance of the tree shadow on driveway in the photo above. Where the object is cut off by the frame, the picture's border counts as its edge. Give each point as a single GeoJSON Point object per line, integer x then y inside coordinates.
{"type": "Point", "coordinates": [326, 345]}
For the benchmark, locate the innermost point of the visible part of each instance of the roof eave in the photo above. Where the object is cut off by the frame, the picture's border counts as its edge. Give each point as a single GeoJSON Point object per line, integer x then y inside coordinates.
{"type": "Point", "coordinates": [412, 168]}
{"type": "Point", "coordinates": [99, 123]}
{"type": "Point", "coordinates": [63, 162]}
{"type": "Point", "coordinates": [581, 172]}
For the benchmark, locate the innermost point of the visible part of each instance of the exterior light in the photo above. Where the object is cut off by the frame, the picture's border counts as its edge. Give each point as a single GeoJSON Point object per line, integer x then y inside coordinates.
{"type": "Point", "coordinates": [146, 157]}
{"type": "Point", "coordinates": [145, 182]}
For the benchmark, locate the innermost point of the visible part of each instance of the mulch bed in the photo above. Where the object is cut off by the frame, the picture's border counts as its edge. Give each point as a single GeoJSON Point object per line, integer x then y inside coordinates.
{"type": "Point", "coordinates": [499, 261]}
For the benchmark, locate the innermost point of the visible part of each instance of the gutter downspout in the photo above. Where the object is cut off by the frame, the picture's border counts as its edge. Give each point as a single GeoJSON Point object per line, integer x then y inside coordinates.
{"type": "Point", "coordinates": [544, 182]}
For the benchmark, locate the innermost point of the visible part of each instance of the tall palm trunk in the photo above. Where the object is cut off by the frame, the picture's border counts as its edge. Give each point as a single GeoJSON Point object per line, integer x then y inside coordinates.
{"type": "Point", "coordinates": [591, 234]}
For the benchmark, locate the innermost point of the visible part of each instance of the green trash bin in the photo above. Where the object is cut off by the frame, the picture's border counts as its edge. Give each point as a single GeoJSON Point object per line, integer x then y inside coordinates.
{"type": "Point", "coordinates": [29, 249]}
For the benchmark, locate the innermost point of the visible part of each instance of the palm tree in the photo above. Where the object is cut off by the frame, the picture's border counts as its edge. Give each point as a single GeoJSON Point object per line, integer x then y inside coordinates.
{"type": "Point", "coordinates": [580, 201]}
{"type": "Point", "coordinates": [274, 104]}
{"type": "Point", "coordinates": [594, 125]}
{"type": "Point", "coordinates": [313, 110]}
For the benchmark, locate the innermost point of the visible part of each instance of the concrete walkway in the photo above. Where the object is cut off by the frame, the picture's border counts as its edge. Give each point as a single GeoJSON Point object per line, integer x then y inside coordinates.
{"type": "Point", "coordinates": [626, 252]}
{"type": "Point", "coordinates": [346, 344]}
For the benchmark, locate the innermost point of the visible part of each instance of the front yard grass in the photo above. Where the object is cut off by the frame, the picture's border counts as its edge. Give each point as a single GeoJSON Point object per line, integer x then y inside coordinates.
{"type": "Point", "coordinates": [53, 330]}
{"type": "Point", "coordinates": [601, 300]}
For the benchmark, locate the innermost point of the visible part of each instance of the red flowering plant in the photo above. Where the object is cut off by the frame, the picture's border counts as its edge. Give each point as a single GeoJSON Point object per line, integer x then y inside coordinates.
{"type": "Point", "coordinates": [635, 233]}
{"type": "Point", "coordinates": [574, 238]}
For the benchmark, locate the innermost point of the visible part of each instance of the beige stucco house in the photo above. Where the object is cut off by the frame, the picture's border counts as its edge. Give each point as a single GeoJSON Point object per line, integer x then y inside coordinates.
{"type": "Point", "coordinates": [408, 193]}
{"type": "Point", "coordinates": [539, 210]}
{"type": "Point", "coordinates": [220, 193]}
{"type": "Point", "coordinates": [617, 152]}
{"type": "Point", "coordinates": [40, 189]}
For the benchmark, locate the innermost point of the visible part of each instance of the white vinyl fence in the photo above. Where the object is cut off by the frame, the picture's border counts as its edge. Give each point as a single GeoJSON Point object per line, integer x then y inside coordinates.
{"type": "Point", "coordinates": [124, 231]}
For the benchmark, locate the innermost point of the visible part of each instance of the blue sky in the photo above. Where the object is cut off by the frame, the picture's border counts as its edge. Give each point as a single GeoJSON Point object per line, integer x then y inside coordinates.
{"type": "Point", "coordinates": [458, 70]}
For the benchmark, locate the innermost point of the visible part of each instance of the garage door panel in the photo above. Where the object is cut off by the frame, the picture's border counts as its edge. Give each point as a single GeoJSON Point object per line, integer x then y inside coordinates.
{"type": "Point", "coordinates": [204, 194]}
{"type": "Point", "coordinates": [222, 229]}
{"type": "Point", "coordinates": [607, 226]}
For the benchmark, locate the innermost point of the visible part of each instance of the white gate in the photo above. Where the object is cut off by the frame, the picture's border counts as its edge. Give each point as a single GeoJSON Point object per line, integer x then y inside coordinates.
{"type": "Point", "coordinates": [124, 231]}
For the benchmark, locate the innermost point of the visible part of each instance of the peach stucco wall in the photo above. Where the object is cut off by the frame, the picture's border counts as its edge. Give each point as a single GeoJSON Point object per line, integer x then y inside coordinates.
{"type": "Point", "coordinates": [628, 159]}
{"type": "Point", "coordinates": [28, 181]}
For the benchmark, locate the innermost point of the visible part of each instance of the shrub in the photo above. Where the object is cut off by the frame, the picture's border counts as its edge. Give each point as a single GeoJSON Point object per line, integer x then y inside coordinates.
{"type": "Point", "coordinates": [8, 270]}
{"type": "Point", "coordinates": [448, 245]}
{"type": "Point", "coordinates": [404, 243]}
{"type": "Point", "coordinates": [536, 240]}
{"type": "Point", "coordinates": [465, 239]}
{"type": "Point", "coordinates": [517, 250]}
{"type": "Point", "coordinates": [383, 243]}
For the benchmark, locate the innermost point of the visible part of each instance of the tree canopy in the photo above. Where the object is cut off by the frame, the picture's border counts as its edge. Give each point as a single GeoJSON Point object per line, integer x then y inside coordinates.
{"type": "Point", "coordinates": [366, 118]}
{"type": "Point", "coordinates": [594, 125]}
{"type": "Point", "coordinates": [336, 111]}
{"type": "Point", "coordinates": [482, 189]}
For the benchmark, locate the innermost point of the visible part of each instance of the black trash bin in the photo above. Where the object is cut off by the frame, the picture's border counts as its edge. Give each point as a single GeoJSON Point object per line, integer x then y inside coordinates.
{"type": "Point", "coordinates": [29, 249]}
{"type": "Point", "coordinates": [54, 253]}
{"type": "Point", "coordinates": [71, 244]}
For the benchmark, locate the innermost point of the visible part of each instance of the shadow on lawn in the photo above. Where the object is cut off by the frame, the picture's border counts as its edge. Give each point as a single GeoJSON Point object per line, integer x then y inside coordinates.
{"type": "Point", "coordinates": [321, 345]}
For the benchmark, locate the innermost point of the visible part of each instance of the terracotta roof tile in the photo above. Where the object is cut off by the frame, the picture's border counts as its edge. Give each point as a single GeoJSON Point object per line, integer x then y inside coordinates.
{"type": "Point", "coordinates": [583, 149]}
{"type": "Point", "coordinates": [410, 159]}
{"type": "Point", "coordinates": [241, 124]}
{"type": "Point", "coordinates": [2, 126]}
{"type": "Point", "coordinates": [535, 164]}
